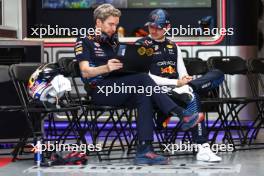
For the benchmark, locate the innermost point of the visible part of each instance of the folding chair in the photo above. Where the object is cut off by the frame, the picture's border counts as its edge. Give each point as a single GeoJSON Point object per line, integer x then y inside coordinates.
{"type": "Point", "coordinates": [8, 109]}
{"type": "Point", "coordinates": [256, 72]}
{"type": "Point", "coordinates": [34, 111]}
{"type": "Point", "coordinates": [210, 101]}
{"type": "Point", "coordinates": [6, 78]}
{"type": "Point", "coordinates": [64, 64]}
{"type": "Point", "coordinates": [195, 66]}
{"type": "Point", "coordinates": [232, 65]}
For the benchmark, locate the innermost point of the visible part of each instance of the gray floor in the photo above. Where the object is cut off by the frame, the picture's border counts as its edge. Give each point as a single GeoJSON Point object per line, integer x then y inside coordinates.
{"type": "Point", "coordinates": [243, 163]}
{"type": "Point", "coordinates": [239, 163]}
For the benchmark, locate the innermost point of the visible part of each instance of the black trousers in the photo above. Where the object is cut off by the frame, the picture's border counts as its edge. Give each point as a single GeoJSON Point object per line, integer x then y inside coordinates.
{"type": "Point", "coordinates": [144, 101]}
{"type": "Point", "coordinates": [205, 83]}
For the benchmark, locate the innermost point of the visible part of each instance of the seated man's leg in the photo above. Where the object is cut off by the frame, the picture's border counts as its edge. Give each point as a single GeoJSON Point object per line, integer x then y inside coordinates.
{"type": "Point", "coordinates": [207, 82]}
{"type": "Point", "coordinates": [143, 102]}
{"type": "Point", "coordinates": [166, 105]}
{"type": "Point", "coordinates": [144, 105]}
{"type": "Point", "coordinates": [139, 101]}
{"type": "Point", "coordinates": [200, 136]}
{"type": "Point", "coordinates": [138, 81]}
{"type": "Point", "coordinates": [199, 133]}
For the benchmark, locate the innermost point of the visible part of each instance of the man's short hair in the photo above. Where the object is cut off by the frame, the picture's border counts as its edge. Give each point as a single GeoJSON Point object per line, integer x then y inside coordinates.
{"type": "Point", "coordinates": [104, 11]}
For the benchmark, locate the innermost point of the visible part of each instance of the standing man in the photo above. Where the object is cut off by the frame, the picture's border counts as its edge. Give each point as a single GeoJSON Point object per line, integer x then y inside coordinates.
{"type": "Point", "coordinates": [168, 69]}
{"type": "Point", "coordinates": [96, 56]}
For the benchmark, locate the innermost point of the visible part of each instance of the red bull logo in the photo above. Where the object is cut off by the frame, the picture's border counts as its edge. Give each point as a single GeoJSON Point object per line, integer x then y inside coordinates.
{"type": "Point", "coordinates": [169, 70]}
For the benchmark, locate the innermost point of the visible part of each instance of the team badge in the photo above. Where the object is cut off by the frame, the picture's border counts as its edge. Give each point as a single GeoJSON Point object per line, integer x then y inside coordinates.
{"type": "Point", "coordinates": [169, 46]}
{"type": "Point", "coordinates": [79, 49]}
{"type": "Point", "coordinates": [168, 70]}
{"type": "Point", "coordinates": [141, 51]}
{"type": "Point", "coordinates": [90, 37]}
{"type": "Point", "coordinates": [149, 52]}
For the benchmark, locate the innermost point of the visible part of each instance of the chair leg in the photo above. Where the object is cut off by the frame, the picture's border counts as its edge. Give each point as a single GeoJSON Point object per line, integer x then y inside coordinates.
{"type": "Point", "coordinates": [216, 132]}
{"type": "Point", "coordinates": [18, 147]}
{"type": "Point", "coordinates": [255, 129]}
{"type": "Point", "coordinates": [224, 120]}
{"type": "Point", "coordinates": [261, 118]}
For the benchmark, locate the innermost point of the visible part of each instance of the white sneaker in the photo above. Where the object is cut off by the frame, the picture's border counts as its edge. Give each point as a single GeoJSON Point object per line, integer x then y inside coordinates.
{"type": "Point", "coordinates": [206, 154]}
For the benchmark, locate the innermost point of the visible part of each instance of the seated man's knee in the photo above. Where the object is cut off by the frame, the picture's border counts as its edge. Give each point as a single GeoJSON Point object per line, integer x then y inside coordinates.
{"type": "Point", "coordinates": [142, 75]}
{"type": "Point", "coordinates": [145, 79]}
{"type": "Point", "coordinates": [218, 73]}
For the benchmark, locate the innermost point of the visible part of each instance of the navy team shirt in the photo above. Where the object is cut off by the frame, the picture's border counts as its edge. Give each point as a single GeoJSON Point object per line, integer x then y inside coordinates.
{"type": "Point", "coordinates": [164, 62]}
{"type": "Point", "coordinates": [96, 53]}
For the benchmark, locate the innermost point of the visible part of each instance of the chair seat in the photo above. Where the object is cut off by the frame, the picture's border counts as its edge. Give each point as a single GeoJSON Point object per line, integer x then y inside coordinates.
{"type": "Point", "coordinates": [50, 110]}
{"type": "Point", "coordinates": [103, 107]}
{"type": "Point", "coordinates": [89, 104]}
{"type": "Point", "coordinates": [232, 100]}
{"type": "Point", "coordinates": [240, 99]}
{"type": "Point", "coordinates": [11, 108]}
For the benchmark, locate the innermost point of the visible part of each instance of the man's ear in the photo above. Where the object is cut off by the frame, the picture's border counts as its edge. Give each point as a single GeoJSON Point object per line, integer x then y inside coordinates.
{"type": "Point", "coordinates": [98, 22]}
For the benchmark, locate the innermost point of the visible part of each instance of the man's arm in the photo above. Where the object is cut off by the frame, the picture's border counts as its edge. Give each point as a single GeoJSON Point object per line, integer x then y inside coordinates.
{"type": "Point", "coordinates": [183, 74]}
{"type": "Point", "coordinates": [180, 64]}
{"type": "Point", "coordinates": [89, 72]}
{"type": "Point", "coordinates": [83, 55]}
{"type": "Point", "coordinates": [168, 82]}
{"type": "Point", "coordinates": [163, 81]}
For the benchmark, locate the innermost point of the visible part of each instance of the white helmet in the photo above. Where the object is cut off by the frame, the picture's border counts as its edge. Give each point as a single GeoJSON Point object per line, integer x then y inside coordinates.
{"type": "Point", "coordinates": [45, 84]}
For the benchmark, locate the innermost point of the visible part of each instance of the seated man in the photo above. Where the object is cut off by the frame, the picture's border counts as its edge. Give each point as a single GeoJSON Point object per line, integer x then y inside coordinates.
{"type": "Point", "coordinates": [168, 69]}
{"type": "Point", "coordinates": [96, 56]}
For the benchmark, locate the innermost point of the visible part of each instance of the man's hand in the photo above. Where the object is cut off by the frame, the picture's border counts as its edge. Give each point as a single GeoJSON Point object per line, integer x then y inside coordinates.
{"type": "Point", "coordinates": [114, 64]}
{"type": "Point", "coordinates": [189, 78]}
{"type": "Point", "coordinates": [184, 80]}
